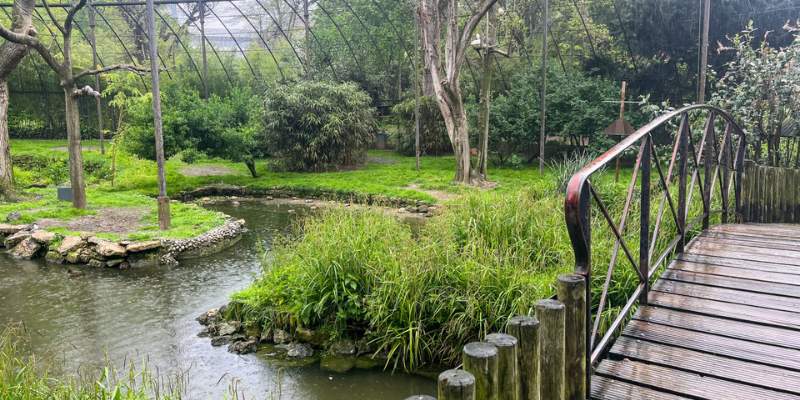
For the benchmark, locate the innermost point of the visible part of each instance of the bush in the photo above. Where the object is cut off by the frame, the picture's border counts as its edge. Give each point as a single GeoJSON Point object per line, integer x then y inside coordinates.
{"type": "Point", "coordinates": [433, 139]}
{"type": "Point", "coordinates": [315, 126]}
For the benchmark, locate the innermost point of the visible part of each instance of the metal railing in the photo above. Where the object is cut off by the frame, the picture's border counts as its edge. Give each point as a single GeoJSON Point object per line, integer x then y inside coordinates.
{"type": "Point", "coordinates": [714, 162]}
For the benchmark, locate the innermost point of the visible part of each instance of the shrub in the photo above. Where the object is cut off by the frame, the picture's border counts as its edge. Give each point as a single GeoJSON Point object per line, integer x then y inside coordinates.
{"type": "Point", "coordinates": [433, 139]}
{"type": "Point", "coordinates": [314, 126]}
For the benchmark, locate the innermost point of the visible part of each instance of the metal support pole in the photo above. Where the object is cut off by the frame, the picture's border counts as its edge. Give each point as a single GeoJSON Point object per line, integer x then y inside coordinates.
{"type": "Point", "coordinates": [701, 90]}
{"type": "Point", "coordinates": [542, 117]}
{"type": "Point", "coordinates": [163, 200]}
{"type": "Point", "coordinates": [307, 39]}
{"type": "Point", "coordinates": [203, 53]}
{"type": "Point", "coordinates": [644, 225]}
{"type": "Point", "coordinates": [98, 102]}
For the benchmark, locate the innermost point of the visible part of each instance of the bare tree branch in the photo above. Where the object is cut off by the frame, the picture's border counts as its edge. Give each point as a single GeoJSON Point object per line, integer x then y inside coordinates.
{"type": "Point", "coordinates": [110, 68]}
{"type": "Point", "coordinates": [31, 40]}
{"type": "Point", "coordinates": [53, 17]}
{"type": "Point", "coordinates": [469, 28]}
{"type": "Point", "coordinates": [71, 16]}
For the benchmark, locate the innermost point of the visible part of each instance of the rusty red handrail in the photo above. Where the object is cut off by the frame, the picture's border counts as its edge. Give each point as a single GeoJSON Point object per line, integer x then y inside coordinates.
{"type": "Point", "coordinates": [716, 156]}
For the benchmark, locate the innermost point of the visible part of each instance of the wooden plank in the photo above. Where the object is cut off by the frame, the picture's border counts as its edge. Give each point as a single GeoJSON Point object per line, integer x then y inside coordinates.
{"type": "Point", "coordinates": [767, 377]}
{"type": "Point", "coordinates": [611, 389]}
{"type": "Point", "coordinates": [745, 253]}
{"type": "Point", "coordinates": [736, 272]}
{"type": "Point", "coordinates": [732, 283]}
{"type": "Point", "coordinates": [740, 312]}
{"type": "Point", "coordinates": [780, 357]}
{"type": "Point", "coordinates": [755, 238]}
{"type": "Point", "coordinates": [793, 247]}
{"type": "Point", "coordinates": [685, 383]}
{"type": "Point", "coordinates": [720, 326]}
{"type": "Point", "coordinates": [769, 230]}
{"type": "Point", "coordinates": [766, 301]}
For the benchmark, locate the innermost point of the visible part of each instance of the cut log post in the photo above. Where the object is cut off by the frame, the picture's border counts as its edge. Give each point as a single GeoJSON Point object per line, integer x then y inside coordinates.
{"type": "Point", "coordinates": [572, 293]}
{"type": "Point", "coordinates": [481, 360]}
{"type": "Point", "coordinates": [526, 330]}
{"type": "Point", "coordinates": [507, 374]}
{"type": "Point", "coordinates": [456, 384]}
{"type": "Point", "coordinates": [551, 349]}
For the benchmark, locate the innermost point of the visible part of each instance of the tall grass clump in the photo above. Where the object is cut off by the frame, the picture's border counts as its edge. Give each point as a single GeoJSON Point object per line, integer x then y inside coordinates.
{"type": "Point", "coordinates": [24, 377]}
{"type": "Point", "coordinates": [418, 298]}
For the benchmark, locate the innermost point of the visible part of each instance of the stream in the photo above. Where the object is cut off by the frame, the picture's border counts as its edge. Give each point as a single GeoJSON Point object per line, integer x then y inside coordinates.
{"type": "Point", "coordinates": [148, 314]}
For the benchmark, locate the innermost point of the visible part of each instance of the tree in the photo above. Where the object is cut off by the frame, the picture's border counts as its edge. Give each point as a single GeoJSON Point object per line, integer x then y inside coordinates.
{"type": "Point", "coordinates": [68, 82]}
{"type": "Point", "coordinates": [10, 55]}
{"type": "Point", "coordinates": [445, 71]}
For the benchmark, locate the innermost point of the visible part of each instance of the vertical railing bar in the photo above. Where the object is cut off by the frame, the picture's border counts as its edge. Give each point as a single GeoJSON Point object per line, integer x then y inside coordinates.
{"type": "Point", "coordinates": [615, 252]}
{"type": "Point", "coordinates": [709, 148]}
{"type": "Point", "coordinates": [684, 132]}
{"type": "Point", "coordinates": [644, 224]}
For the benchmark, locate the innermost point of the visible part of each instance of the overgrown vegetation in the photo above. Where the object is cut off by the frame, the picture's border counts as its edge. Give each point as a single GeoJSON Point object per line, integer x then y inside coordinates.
{"type": "Point", "coordinates": [433, 138]}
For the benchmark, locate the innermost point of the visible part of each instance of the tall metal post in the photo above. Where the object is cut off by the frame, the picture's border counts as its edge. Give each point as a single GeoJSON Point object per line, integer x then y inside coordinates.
{"type": "Point", "coordinates": [542, 134]}
{"type": "Point", "coordinates": [98, 103]}
{"type": "Point", "coordinates": [163, 200]}
{"type": "Point", "coordinates": [202, 5]}
{"type": "Point", "coordinates": [307, 38]}
{"type": "Point", "coordinates": [701, 90]}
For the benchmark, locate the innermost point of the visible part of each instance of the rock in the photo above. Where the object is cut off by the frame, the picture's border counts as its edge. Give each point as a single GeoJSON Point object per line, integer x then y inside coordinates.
{"type": "Point", "coordinates": [280, 336]}
{"type": "Point", "coordinates": [270, 198]}
{"type": "Point", "coordinates": [70, 244]}
{"type": "Point", "coordinates": [114, 262]}
{"type": "Point", "coordinates": [220, 340]}
{"type": "Point", "coordinates": [93, 239]}
{"type": "Point", "coordinates": [138, 247]}
{"type": "Point", "coordinates": [243, 347]}
{"type": "Point", "coordinates": [343, 347]}
{"type": "Point", "coordinates": [266, 336]}
{"type": "Point", "coordinates": [74, 273]}
{"type": "Point", "coordinates": [124, 265]}
{"type": "Point", "coordinates": [290, 211]}
{"type": "Point", "coordinates": [86, 236]}
{"type": "Point", "coordinates": [53, 257]}
{"type": "Point", "coordinates": [309, 201]}
{"type": "Point", "coordinates": [26, 249]}
{"type": "Point", "coordinates": [109, 249]}
{"type": "Point", "coordinates": [423, 209]}
{"type": "Point", "coordinates": [252, 331]}
{"type": "Point", "coordinates": [16, 238]}
{"type": "Point", "coordinates": [13, 216]}
{"type": "Point", "coordinates": [304, 334]}
{"type": "Point", "coordinates": [73, 257]}
{"type": "Point", "coordinates": [9, 229]}
{"type": "Point", "coordinates": [208, 317]}
{"type": "Point", "coordinates": [43, 237]}
{"type": "Point", "coordinates": [228, 328]}
{"type": "Point", "coordinates": [235, 204]}
{"type": "Point", "coordinates": [299, 350]}
{"type": "Point", "coordinates": [363, 346]}
{"type": "Point", "coordinates": [96, 263]}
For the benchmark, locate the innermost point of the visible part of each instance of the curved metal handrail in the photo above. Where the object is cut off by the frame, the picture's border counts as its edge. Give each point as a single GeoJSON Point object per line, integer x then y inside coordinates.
{"type": "Point", "coordinates": [716, 156]}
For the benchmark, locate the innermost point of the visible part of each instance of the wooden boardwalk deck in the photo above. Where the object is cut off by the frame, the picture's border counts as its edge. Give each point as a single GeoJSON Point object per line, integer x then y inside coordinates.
{"type": "Point", "coordinates": [723, 322]}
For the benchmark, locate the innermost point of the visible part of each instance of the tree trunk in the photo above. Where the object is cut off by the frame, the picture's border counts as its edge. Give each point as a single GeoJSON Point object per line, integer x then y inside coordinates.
{"type": "Point", "coordinates": [6, 171]}
{"type": "Point", "coordinates": [483, 115]}
{"type": "Point", "coordinates": [73, 120]}
{"type": "Point", "coordinates": [251, 166]}
{"type": "Point", "coordinates": [458, 128]}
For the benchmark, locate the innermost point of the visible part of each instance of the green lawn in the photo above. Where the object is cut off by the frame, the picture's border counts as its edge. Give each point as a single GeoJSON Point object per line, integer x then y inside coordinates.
{"type": "Point", "coordinates": [386, 173]}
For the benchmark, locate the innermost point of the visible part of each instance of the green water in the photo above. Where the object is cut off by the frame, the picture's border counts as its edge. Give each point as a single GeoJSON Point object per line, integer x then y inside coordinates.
{"type": "Point", "coordinates": [148, 314]}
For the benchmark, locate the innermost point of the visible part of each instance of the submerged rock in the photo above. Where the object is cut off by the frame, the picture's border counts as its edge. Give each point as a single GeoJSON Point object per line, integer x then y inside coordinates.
{"type": "Point", "coordinates": [343, 347]}
{"type": "Point", "coordinates": [26, 249]}
{"type": "Point", "coordinates": [332, 362]}
{"type": "Point", "coordinates": [243, 347]}
{"type": "Point", "coordinates": [299, 350]}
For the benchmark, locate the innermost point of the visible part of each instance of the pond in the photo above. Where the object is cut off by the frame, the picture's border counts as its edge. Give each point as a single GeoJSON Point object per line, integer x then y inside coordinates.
{"type": "Point", "coordinates": [149, 314]}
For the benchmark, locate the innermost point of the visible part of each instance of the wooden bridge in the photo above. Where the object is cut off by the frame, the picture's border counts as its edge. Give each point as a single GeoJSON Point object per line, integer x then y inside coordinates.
{"type": "Point", "coordinates": [699, 296]}
{"type": "Point", "coordinates": [716, 314]}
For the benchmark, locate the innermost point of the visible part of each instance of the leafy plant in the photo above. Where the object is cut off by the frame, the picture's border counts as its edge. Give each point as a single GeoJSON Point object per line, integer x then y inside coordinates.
{"type": "Point", "coordinates": [315, 126]}
{"type": "Point", "coordinates": [433, 138]}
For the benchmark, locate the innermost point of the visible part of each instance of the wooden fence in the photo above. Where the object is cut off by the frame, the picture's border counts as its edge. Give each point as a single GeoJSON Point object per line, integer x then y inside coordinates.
{"type": "Point", "coordinates": [770, 194]}
{"type": "Point", "coordinates": [538, 358]}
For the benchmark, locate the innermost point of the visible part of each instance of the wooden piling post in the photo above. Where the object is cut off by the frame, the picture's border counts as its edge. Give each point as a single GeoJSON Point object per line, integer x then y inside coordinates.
{"type": "Point", "coordinates": [572, 293]}
{"type": "Point", "coordinates": [507, 373]}
{"type": "Point", "coordinates": [551, 349]}
{"type": "Point", "coordinates": [526, 330]}
{"type": "Point", "coordinates": [456, 384]}
{"type": "Point", "coordinates": [481, 360]}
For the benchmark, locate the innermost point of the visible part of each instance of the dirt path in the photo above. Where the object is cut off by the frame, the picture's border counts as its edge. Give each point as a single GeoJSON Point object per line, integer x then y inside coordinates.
{"type": "Point", "coordinates": [436, 194]}
{"type": "Point", "coordinates": [107, 220]}
{"type": "Point", "coordinates": [208, 170]}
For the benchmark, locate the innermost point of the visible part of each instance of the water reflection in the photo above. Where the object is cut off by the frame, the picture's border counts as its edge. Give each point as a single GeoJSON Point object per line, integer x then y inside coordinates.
{"type": "Point", "coordinates": [148, 314]}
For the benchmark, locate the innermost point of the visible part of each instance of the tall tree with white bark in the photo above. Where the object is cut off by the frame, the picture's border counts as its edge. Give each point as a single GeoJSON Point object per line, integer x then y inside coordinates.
{"type": "Point", "coordinates": [435, 15]}
{"type": "Point", "coordinates": [68, 78]}
{"type": "Point", "coordinates": [10, 56]}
